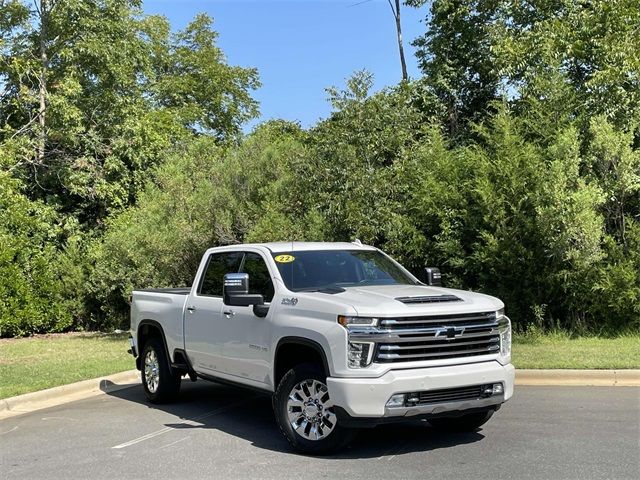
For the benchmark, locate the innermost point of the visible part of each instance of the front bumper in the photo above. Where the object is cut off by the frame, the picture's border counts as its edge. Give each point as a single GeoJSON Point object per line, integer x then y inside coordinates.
{"type": "Point", "coordinates": [367, 397]}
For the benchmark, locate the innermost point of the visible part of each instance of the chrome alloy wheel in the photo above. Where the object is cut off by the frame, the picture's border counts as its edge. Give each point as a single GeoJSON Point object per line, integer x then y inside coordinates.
{"type": "Point", "coordinates": [310, 410]}
{"type": "Point", "coordinates": [151, 371]}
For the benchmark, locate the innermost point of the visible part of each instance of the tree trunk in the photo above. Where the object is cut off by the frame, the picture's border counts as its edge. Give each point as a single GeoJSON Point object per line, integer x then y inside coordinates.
{"type": "Point", "coordinates": [403, 63]}
{"type": "Point", "coordinates": [396, 15]}
{"type": "Point", "coordinates": [42, 88]}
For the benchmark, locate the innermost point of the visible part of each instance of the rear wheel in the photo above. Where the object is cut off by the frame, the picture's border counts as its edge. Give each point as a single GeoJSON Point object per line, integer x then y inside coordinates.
{"type": "Point", "coordinates": [161, 384]}
{"type": "Point", "coordinates": [305, 413]}
{"type": "Point", "coordinates": [465, 423]}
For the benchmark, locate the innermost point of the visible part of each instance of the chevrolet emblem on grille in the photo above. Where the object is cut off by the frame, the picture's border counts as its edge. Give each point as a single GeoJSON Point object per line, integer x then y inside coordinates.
{"type": "Point", "coordinates": [449, 332]}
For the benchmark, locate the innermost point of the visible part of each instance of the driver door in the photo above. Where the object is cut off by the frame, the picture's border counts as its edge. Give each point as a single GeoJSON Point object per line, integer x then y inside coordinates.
{"type": "Point", "coordinates": [204, 323]}
{"type": "Point", "coordinates": [247, 336]}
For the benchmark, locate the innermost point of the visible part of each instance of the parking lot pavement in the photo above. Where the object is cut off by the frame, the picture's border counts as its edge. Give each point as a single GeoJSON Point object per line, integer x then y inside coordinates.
{"type": "Point", "coordinates": [220, 432]}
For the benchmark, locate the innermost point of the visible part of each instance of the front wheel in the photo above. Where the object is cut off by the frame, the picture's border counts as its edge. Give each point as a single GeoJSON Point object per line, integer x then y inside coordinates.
{"type": "Point", "coordinates": [305, 413]}
{"type": "Point", "coordinates": [161, 384]}
{"type": "Point", "coordinates": [465, 423]}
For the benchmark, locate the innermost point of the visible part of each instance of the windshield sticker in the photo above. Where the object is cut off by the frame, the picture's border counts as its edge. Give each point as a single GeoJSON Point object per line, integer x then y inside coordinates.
{"type": "Point", "coordinates": [284, 258]}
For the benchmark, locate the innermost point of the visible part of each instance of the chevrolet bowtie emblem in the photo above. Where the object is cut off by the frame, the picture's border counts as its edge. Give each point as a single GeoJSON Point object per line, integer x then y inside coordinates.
{"type": "Point", "coordinates": [449, 332]}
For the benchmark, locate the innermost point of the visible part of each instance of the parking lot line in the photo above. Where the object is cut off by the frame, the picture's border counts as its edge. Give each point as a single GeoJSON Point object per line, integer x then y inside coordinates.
{"type": "Point", "coordinates": [188, 422]}
{"type": "Point", "coordinates": [9, 431]}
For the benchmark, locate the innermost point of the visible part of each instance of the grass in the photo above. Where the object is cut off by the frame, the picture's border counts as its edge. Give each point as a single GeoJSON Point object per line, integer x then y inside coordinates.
{"type": "Point", "coordinates": [561, 350]}
{"type": "Point", "coordinates": [44, 361]}
{"type": "Point", "coordinates": [36, 363]}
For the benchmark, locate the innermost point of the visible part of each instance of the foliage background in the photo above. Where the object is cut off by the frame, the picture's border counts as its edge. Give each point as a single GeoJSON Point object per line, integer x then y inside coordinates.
{"type": "Point", "coordinates": [513, 162]}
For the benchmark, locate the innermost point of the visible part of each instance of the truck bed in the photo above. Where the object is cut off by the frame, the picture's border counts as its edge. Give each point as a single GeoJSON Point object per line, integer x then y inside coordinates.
{"type": "Point", "coordinates": [174, 291]}
{"type": "Point", "coordinates": [164, 306]}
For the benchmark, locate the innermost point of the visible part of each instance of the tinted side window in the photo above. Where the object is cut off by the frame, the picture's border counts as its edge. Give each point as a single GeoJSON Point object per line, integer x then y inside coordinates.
{"type": "Point", "coordinates": [259, 277]}
{"type": "Point", "coordinates": [219, 265]}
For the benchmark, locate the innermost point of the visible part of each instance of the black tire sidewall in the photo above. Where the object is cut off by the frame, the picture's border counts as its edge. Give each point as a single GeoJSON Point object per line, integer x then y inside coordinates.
{"type": "Point", "coordinates": [338, 437]}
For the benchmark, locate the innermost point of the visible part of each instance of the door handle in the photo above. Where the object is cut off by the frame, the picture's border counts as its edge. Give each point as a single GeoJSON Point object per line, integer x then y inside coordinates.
{"type": "Point", "coordinates": [191, 309]}
{"type": "Point", "coordinates": [228, 313]}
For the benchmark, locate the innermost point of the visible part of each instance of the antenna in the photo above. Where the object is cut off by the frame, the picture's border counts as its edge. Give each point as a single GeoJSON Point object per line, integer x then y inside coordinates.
{"type": "Point", "coordinates": [357, 242]}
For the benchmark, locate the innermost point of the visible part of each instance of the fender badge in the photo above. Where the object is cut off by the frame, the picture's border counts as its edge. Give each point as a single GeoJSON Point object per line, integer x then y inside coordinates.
{"type": "Point", "coordinates": [293, 301]}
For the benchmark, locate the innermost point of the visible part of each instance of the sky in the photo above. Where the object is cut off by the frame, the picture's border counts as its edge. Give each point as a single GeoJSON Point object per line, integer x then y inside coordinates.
{"type": "Point", "coordinates": [301, 47]}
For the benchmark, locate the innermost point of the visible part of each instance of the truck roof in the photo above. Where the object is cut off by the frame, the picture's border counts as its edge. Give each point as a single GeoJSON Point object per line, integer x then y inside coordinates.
{"type": "Point", "coordinates": [301, 246]}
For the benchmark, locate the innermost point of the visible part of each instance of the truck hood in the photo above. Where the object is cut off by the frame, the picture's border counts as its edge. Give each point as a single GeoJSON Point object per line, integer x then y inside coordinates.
{"type": "Point", "coordinates": [382, 300]}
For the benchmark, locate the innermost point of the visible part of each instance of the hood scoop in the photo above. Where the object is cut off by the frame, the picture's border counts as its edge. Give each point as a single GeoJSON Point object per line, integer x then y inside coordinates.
{"type": "Point", "coordinates": [429, 299]}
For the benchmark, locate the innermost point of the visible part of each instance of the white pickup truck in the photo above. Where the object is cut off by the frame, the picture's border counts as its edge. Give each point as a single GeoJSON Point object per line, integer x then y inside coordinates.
{"type": "Point", "coordinates": [340, 334]}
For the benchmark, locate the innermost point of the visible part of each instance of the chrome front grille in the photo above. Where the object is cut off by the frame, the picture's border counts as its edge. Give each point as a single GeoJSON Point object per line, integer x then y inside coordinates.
{"type": "Point", "coordinates": [408, 339]}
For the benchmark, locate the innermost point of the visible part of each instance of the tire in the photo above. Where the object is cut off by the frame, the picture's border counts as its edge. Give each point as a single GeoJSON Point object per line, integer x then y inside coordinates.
{"type": "Point", "coordinates": [466, 423]}
{"type": "Point", "coordinates": [300, 386]}
{"type": "Point", "coordinates": [161, 384]}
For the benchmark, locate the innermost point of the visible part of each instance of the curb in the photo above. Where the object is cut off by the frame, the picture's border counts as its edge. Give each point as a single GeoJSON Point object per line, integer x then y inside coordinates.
{"type": "Point", "coordinates": [585, 378]}
{"type": "Point", "coordinates": [52, 397]}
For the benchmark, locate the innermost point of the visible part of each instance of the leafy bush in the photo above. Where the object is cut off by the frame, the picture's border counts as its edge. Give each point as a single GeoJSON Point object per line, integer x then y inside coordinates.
{"type": "Point", "coordinates": [32, 295]}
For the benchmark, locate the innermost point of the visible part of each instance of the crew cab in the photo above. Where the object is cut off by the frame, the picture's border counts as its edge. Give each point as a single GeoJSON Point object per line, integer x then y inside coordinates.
{"type": "Point", "coordinates": [339, 334]}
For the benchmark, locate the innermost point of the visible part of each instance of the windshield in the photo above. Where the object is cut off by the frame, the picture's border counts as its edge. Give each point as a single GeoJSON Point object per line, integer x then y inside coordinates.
{"type": "Point", "coordinates": [325, 269]}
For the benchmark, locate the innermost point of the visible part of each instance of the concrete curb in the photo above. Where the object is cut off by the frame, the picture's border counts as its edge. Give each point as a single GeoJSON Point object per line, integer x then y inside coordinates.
{"type": "Point", "coordinates": [586, 378]}
{"type": "Point", "coordinates": [51, 397]}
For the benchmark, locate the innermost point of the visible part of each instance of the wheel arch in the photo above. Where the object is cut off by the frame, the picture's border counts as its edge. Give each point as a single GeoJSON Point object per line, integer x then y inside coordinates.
{"type": "Point", "coordinates": [147, 329]}
{"type": "Point", "coordinates": [290, 352]}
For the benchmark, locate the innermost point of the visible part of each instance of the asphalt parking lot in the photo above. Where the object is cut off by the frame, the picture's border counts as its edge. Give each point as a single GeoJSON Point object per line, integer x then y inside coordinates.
{"type": "Point", "coordinates": [221, 432]}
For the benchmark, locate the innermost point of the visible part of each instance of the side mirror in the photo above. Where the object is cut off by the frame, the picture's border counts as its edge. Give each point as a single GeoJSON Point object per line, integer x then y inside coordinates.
{"type": "Point", "coordinates": [433, 277]}
{"type": "Point", "coordinates": [235, 291]}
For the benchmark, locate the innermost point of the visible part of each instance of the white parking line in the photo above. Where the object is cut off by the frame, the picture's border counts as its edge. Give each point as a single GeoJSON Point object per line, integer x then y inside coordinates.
{"type": "Point", "coordinates": [59, 418]}
{"type": "Point", "coordinates": [188, 422]}
{"type": "Point", "coordinates": [396, 449]}
{"type": "Point", "coordinates": [173, 443]}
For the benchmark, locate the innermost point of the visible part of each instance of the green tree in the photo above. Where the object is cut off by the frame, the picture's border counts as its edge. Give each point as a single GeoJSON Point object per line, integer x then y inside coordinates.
{"type": "Point", "coordinates": [234, 197]}
{"type": "Point", "coordinates": [192, 80]}
{"type": "Point", "coordinates": [93, 96]}
{"type": "Point", "coordinates": [108, 92]}
{"type": "Point", "coordinates": [615, 166]}
{"type": "Point", "coordinates": [160, 240]}
{"type": "Point", "coordinates": [352, 158]}
{"type": "Point", "coordinates": [590, 46]}
{"type": "Point", "coordinates": [457, 60]}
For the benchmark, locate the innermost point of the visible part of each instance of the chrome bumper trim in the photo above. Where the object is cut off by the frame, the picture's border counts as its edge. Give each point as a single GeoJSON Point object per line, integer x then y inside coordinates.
{"type": "Point", "coordinates": [435, 408]}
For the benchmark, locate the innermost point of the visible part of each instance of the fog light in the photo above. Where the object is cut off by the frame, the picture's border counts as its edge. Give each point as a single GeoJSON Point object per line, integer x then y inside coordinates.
{"type": "Point", "coordinates": [413, 399]}
{"type": "Point", "coordinates": [396, 401]}
{"type": "Point", "coordinates": [492, 389]}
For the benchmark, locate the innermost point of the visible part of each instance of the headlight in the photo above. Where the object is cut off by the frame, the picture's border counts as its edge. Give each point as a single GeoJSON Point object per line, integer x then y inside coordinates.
{"type": "Point", "coordinates": [347, 322]}
{"type": "Point", "coordinates": [360, 354]}
{"type": "Point", "coordinates": [504, 327]}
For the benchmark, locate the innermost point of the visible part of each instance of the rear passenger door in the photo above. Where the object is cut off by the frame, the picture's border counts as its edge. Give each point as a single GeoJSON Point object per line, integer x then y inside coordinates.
{"type": "Point", "coordinates": [247, 336]}
{"type": "Point", "coordinates": [203, 319]}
